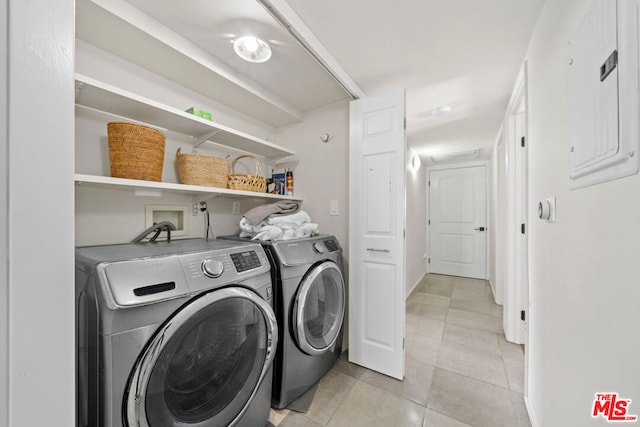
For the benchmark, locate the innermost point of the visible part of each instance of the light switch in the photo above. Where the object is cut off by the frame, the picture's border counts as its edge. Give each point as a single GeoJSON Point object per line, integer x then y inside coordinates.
{"type": "Point", "coordinates": [333, 208]}
{"type": "Point", "coordinates": [235, 208]}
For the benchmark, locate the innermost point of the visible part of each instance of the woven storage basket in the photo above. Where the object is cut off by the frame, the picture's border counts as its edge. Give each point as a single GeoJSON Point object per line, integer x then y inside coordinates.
{"type": "Point", "coordinates": [198, 169]}
{"type": "Point", "coordinates": [240, 181]}
{"type": "Point", "coordinates": [135, 151]}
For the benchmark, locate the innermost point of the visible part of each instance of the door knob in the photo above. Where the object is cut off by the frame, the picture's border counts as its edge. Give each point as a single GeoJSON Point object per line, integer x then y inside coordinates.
{"type": "Point", "coordinates": [479, 229]}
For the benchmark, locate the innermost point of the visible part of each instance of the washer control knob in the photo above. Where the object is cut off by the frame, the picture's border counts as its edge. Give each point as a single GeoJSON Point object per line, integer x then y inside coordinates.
{"type": "Point", "coordinates": [212, 267]}
{"type": "Point", "coordinates": [319, 248]}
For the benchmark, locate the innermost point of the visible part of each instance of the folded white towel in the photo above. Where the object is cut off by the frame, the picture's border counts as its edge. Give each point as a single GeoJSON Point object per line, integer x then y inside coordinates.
{"type": "Point", "coordinates": [269, 232]}
{"type": "Point", "coordinates": [295, 219]}
{"type": "Point", "coordinates": [260, 213]}
{"type": "Point", "coordinates": [306, 230]}
{"type": "Point", "coordinates": [246, 226]}
{"type": "Point", "coordinates": [294, 226]}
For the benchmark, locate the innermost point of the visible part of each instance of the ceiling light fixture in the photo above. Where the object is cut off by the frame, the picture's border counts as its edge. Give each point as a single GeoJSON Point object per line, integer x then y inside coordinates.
{"type": "Point", "coordinates": [415, 162]}
{"type": "Point", "coordinates": [252, 49]}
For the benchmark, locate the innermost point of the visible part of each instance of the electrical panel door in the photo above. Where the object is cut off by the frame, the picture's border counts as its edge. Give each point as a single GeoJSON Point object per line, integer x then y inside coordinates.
{"type": "Point", "coordinates": [602, 89]}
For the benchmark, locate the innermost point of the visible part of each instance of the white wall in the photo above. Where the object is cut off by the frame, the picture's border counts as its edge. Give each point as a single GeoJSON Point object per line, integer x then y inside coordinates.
{"type": "Point", "coordinates": [496, 224]}
{"type": "Point", "coordinates": [37, 179]}
{"type": "Point", "coordinates": [584, 270]}
{"type": "Point", "coordinates": [321, 174]}
{"type": "Point", "coordinates": [416, 237]}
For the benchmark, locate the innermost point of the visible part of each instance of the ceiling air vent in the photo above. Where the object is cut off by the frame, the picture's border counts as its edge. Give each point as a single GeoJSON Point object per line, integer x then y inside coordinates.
{"type": "Point", "coordinates": [454, 155]}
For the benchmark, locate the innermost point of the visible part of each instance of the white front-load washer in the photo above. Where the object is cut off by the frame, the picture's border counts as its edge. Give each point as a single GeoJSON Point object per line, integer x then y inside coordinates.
{"type": "Point", "coordinates": [178, 333]}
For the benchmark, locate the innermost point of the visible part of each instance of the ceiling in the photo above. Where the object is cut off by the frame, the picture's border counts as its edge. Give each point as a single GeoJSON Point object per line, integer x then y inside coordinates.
{"type": "Point", "coordinates": [465, 54]}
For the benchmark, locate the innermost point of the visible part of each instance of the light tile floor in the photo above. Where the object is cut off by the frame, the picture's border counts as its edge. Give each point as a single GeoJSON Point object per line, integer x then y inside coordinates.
{"type": "Point", "coordinates": [460, 370]}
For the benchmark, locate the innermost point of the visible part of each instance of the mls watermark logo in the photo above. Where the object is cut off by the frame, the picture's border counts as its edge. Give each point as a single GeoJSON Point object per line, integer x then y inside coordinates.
{"type": "Point", "coordinates": [611, 408]}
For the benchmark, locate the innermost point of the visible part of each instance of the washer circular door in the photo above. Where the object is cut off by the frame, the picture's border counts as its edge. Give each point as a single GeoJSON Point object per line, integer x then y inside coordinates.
{"type": "Point", "coordinates": [203, 366]}
{"type": "Point", "coordinates": [319, 308]}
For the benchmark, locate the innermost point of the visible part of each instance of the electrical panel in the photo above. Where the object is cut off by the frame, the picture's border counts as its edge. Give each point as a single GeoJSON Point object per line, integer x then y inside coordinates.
{"type": "Point", "coordinates": [602, 94]}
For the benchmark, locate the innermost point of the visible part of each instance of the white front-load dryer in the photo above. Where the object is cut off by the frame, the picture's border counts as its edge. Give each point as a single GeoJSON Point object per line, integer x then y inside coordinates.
{"type": "Point", "coordinates": [178, 333]}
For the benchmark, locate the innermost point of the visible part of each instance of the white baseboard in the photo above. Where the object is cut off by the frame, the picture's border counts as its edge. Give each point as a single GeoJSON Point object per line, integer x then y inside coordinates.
{"type": "Point", "coordinates": [415, 285]}
{"type": "Point", "coordinates": [534, 422]}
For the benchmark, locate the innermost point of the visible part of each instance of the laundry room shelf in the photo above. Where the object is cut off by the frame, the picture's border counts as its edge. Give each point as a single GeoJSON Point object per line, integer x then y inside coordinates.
{"type": "Point", "coordinates": [145, 187]}
{"type": "Point", "coordinates": [97, 95]}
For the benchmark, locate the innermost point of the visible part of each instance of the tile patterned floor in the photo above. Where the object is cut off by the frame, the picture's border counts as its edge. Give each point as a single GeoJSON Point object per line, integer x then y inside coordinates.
{"type": "Point", "coordinates": [460, 370]}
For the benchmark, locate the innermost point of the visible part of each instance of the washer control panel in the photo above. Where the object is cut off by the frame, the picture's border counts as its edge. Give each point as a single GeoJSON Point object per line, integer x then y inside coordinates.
{"type": "Point", "coordinates": [223, 266]}
{"type": "Point", "coordinates": [244, 261]}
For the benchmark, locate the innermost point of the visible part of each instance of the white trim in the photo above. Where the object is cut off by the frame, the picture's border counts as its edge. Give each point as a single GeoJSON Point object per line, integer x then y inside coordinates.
{"type": "Point", "coordinates": [415, 285]}
{"type": "Point", "coordinates": [516, 200]}
{"type": "Point", "coordinates": [458, 165]}
{"type": "Point", "coordinates": [289, 19]}
{"type": "Point", "coordinates": [427, 220]}
{"type": "Point", "coordinates": [4, 222]}
{"type": "Point", "coordinates": [530, 412]}
{"type": "Point", "coordinates": [40, 61]}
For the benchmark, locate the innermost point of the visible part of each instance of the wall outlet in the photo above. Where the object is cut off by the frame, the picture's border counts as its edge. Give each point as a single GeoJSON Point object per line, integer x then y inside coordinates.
{"type": "Point", "coordinates": [235, 208]}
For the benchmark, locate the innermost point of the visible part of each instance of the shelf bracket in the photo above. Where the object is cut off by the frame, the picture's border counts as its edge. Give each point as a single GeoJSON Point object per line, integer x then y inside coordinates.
{"type": "Point", "coordinates": [79, 87]}
{"type": "Point", "coordinates": [198, 140]}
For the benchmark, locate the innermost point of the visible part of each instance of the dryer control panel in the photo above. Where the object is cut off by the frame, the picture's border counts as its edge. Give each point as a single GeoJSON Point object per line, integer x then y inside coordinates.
{"type": "Point", "coordinates": [307, 250]}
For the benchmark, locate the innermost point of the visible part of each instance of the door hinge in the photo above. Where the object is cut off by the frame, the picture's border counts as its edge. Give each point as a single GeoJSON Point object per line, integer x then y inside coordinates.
{"type": "Point", "coordinates": [522, 228]}
{"type": "Point", "coordinates": [429, 183]}
{"type": "Point", "coordinates": [522, 315]}
{"type": "Point", "coordinates": [403, 343]}
{"type": "Point", "coordinates": [428, 260]}
{"type": "Point", "coordinates": [609, 65]}
{"type": "Point", "coordinates": [522, 141]}
{"type": "Point", "coordinates": [405, 123]}
{"type": "Point", "coordinates": [428, 222]}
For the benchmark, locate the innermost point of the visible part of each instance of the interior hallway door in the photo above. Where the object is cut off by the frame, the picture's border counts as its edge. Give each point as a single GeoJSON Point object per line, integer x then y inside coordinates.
{"type": "Point", "coordinates": [458, 221]}
{"type": "Point", "coordinates": [376, 233]}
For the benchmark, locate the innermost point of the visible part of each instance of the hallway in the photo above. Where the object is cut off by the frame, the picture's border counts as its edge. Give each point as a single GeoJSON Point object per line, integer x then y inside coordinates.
{"type": "Point", "coordinates": [460, 371]}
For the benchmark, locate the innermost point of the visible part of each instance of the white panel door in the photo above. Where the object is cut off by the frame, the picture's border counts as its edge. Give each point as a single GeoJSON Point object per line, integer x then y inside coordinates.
{"type": "Point", "coordinates": [457, 218]}
{"type": "Point", "coordinates": [376, 234]}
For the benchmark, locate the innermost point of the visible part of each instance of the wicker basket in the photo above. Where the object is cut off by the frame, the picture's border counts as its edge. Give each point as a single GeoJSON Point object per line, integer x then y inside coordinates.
{"type": "Point", "coordinates": [198, 169]}
{"type": "Point", "coordinates": [135, 151]}
{"type": "Point", "coordinates": [240, 181]}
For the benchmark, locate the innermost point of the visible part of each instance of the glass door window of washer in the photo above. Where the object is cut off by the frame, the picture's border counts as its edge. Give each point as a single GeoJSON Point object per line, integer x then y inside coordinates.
{"type": "Point", "coordinates": [319, 309]}
{"type": "Point", "coordinates": [204, 364]}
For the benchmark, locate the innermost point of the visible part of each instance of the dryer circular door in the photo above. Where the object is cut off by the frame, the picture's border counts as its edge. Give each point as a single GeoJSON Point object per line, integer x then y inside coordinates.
{"type": "Point", "coordinates": [319, 308]}
{"type": "Point", "coordinates": [203, 366]}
